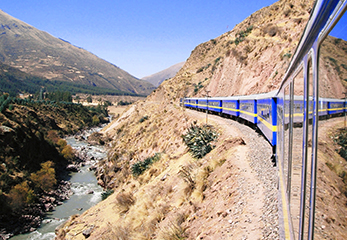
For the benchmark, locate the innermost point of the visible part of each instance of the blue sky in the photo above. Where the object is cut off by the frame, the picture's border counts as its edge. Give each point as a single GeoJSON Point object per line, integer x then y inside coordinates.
{"type": "Point", "coordinates": [141, 37]}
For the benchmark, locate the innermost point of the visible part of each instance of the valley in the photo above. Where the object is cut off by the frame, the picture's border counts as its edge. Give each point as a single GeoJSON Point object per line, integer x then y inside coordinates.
{"type": "Point", "coordinates": [156, 187]}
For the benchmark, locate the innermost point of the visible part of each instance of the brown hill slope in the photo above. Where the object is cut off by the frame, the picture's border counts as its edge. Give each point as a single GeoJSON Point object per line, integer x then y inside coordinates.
{"type": "Point", "coordinates": [180, 197]}
{"type": "Point", "coordinates": [38, 53]}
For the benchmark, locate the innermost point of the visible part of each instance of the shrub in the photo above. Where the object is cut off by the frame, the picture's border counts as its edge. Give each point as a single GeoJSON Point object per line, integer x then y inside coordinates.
{"type": "Point", "coordinates": [197, 87]}
{"type": "Point", "coordinates": [144, 118]}
{"type": "Point", "coordinates": [106, 194]}
{"type": "Point", "coordinates": [89, 99]}
{"type": "Point", "coordinates": [200, 70]}
{"type": "Point", "coordinates": [198, 139]}
{"type": "Point", "coordinates": [341, 139]}
{"type": "Point", "coordinates": [213, 41]}
{"type": "Point", "coordinates": [141, 166]}
{"type": "Point", "coordinates": [287, 55]}
{"type": "Point", "coordinates": [125, 201]}
{"type": "Point", "coordinates": [271, 30]}
{"type": "Point", "coordinates": [174, 229]}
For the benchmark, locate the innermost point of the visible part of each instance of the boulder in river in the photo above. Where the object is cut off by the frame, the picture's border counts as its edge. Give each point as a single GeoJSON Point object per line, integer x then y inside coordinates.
{"type": "Point", "coordinates": [72, 168]}
{"type": "Point", "coordinates": [90, 191]}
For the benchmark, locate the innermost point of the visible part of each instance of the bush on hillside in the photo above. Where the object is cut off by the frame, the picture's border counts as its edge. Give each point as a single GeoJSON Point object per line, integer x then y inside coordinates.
{"type": "Point", "coordinates": [141, 166]}
{"type": "Point", "coordinates": [199, 138]}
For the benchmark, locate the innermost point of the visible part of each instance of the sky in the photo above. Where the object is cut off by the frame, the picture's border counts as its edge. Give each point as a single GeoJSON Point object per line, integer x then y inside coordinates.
{"type": "Point", "coordinates": [141, 37]}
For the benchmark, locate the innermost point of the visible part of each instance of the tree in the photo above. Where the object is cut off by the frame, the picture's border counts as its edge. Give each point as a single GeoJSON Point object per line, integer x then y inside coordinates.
{"type": "Point", "coordinates": [20, 195]}
{"type": "Point", "coordinates": [89, 99]}
{"type": "Point", "coordinates": [62, 144]}
{"type": "Point", "coordinates": [45, 177]}
{"type": "Point", "coordinates": [68, 152]}
{"type": "Point", "coordinates": [95, 120]}
{"type": "Point", "coordinates": [53, 136]}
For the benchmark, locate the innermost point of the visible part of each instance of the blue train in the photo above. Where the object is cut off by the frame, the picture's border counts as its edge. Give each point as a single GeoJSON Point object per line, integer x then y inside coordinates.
{"type": "Point", "coordinates": [261, 110]}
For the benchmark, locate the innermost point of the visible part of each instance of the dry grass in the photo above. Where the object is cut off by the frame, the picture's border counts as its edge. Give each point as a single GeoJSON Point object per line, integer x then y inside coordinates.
{"type": "Point", "coordinates": [117, 232]}
{"type": "Point", "coordinates": [124, 202]}
{"type": "Point", "coordinates": [174, 229]}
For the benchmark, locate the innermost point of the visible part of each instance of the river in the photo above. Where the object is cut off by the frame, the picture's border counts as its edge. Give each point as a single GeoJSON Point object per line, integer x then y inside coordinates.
{"type": "Point", "coordinates": [82, 183]}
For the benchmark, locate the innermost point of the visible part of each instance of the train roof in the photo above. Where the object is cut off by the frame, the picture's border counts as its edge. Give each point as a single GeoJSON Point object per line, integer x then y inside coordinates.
{"type": "Point", "coordinates": [259, 96]}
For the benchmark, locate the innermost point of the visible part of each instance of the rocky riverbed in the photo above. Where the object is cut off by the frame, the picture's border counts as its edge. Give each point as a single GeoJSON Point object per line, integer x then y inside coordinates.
{"type": "Point", "coordinates": [76, 193]}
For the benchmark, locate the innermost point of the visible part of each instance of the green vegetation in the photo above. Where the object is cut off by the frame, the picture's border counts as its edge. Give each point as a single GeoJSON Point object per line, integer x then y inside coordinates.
{"type": "Point", "coordinates": [341, 140]}
{"type": "Point", "coordinates": [106, 194]}
{"type": "Point", "coordinates": [141, 166]}
{"type": "Point", "coordinates": [199, 138]}
{"type": "Point", "coordinates": [144, 118]}
{"type": "Point", "coordinates": [241, 36]}
{"type": "Point", "coordinates": [32, 153]}
{"type": "Point", "coordinates": [124, 103]}
{"type": "Point", "coordinates": [203, 68]}
{"type": "Point", "coordinates": [287, 55]}
{"type": "Point", "coordinates": [58, 96]}
{"type": "Point", "coordinates": [14, 82]}
{"type": "Point", "coordinates": [44, 179]}
{"type": "Point", "coordinates": [89, 99]}
{"type": "Point", "coordinates": [197, 87]}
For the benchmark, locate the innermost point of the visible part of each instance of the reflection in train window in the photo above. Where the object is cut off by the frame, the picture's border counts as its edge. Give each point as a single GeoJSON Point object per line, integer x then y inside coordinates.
{"type": "Point", "coordinates": [332, 88]}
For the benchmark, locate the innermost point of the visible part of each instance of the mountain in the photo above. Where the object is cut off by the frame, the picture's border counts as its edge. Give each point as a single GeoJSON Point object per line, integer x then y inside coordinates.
{"type": "Point", "coordinates": [157, 78]}
{"type": "Point", "coordinates": [14, 82]}
{"type": "Point", "coordinates": [40, 54]}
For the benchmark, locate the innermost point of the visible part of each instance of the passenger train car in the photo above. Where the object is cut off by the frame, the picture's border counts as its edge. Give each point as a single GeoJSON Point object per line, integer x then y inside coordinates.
{"type": "Point", "coordinates": [289, 117]}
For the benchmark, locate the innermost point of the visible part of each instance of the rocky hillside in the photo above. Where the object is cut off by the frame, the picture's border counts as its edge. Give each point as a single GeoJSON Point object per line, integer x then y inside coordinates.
{"type": "Point", "coordinates": [157, 78]}
{"type": "Point", "coordinates": [38, 53]}
{"type": "Point", "coordinates": [181, 197]}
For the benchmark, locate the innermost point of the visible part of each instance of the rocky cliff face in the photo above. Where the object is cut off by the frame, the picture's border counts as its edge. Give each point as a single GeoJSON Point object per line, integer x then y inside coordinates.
{"type": "Point", "coordinates": [252, 58]}
{"type": "Point", "coordinates": [38, 53]}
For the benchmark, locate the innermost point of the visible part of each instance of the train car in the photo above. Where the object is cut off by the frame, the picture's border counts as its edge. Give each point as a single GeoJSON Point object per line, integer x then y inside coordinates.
{"type": "Point", "coordinates": [190, 102]}
{"type": "Point", "coordinates": [335, 106]}
{"type": "Point", "coordinates": [323, 107]}
{"type": "Point", "coordinates": [186, 102]}
{"type": "Point", "coordinates": [248, 108]}
{"type": "Point", "coordinates": [231, 106]}
{"type": "Point", "coordinates": [266, 105]}
{"type": "Point", "coordinates": [202, 103]}
{"type": "Point", "coordinates": [214, 105]}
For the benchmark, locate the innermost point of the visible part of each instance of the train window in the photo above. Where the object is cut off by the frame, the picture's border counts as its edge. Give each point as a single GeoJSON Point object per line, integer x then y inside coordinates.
{"type": "Point", "coordinates": [280, 124]}
{"type": "Point", "coordinates": [332, 94]}
{"type": "Point", "coordinates": [297, 149]}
